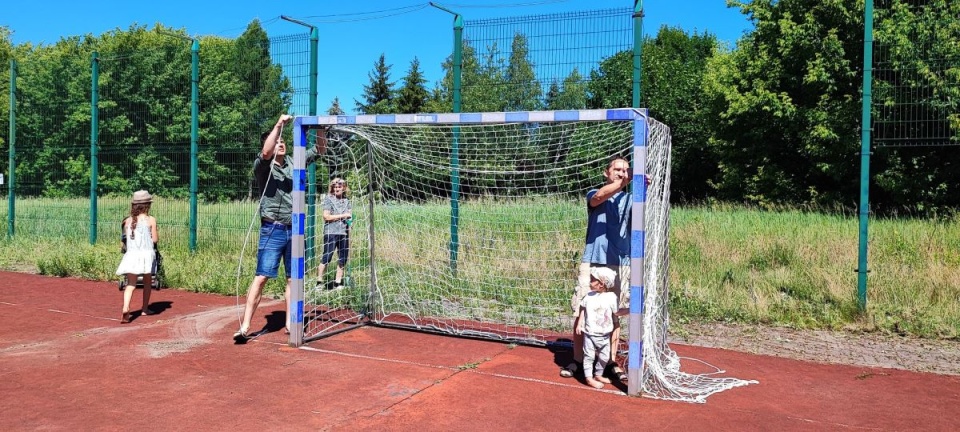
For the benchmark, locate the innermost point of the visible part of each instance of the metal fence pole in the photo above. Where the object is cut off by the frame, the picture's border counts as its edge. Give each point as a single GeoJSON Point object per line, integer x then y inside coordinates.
{"type": "Point", "coordinates": [865, 155]}
{"type": "Point", "coordinates": [312, 169]}
{"type": "Point", "coordinates": [635, 366]}
{"type": "Point", "coordinates": [637, 50]}
{"type": "Point", "coordinates": [311, 141]}
{"type": "Point", "coordinates": [12, 139]}
{"type": "Point", "coordinates": [94, 137]}
{"type": "Point", "coordinates": [455, 144]}
{"type": "Point", "coordinates": [194, 138]}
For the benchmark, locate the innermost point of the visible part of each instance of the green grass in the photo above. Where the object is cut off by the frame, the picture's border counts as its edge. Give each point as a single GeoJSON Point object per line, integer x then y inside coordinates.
{"type": "Point", "coordinates": [790, 268]}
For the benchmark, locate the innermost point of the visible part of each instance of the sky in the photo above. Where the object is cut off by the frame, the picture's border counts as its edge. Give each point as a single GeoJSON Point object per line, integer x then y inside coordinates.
{"type": "Point", "coordinates": [352, 34]}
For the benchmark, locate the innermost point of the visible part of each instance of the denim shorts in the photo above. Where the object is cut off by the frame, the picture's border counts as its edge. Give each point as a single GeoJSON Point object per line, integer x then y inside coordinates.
{"type": "Point", "coordinates": [274, 245]}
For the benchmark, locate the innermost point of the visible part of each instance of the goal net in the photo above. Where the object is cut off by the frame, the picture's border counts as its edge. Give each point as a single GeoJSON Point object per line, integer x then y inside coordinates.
{"type": "Point", "coordinates": [474, 225]}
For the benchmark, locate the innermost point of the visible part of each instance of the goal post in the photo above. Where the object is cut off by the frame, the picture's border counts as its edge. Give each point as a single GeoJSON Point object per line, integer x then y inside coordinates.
{"type": "Point", "coordinates": [473, 224]}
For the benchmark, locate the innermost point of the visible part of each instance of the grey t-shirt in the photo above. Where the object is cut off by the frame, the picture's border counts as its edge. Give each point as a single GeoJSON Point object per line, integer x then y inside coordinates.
{"type": "Point", "coordinates": [335, 206]}
{"type": "Point", "coordinates": [277, 201]}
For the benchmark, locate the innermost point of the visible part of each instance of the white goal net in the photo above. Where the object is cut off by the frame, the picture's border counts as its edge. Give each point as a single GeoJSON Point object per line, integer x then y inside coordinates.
{"type": "Point", "coordinates": [474, 225]}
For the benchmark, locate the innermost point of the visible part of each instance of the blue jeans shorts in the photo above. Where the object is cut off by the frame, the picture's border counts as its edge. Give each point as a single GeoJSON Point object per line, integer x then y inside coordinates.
{"type": "Point", "coordinates": [274, 245]}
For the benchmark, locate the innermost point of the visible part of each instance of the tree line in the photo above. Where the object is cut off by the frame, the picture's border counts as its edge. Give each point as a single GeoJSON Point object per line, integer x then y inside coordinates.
{"type": "Point", "coordinates": [144, 112]}
{"type": "Point", "coordinates": [774, 120]}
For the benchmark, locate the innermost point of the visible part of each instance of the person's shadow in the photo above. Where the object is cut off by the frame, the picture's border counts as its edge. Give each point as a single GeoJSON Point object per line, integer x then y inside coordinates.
{"type": "Point", "coordinates": [562, 350]}
{"type": "Point", "coordinates": [157, 308]}
{"type": "Point", "coordinates": [276, 321]}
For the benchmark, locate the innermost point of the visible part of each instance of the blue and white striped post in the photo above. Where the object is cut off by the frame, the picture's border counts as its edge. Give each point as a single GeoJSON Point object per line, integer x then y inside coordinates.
{"type": "Point", "coordinates": [638, 237]}
{"type": "Point", "coordinates": [299, 218]}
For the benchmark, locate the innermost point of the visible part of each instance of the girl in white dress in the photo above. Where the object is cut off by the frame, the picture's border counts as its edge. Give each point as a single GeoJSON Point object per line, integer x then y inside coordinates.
{"type": "Point", "coordinates": [141, 231]}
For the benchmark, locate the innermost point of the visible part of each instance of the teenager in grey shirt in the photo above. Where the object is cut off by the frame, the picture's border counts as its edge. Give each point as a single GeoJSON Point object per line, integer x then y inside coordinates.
{"type": "Point", "coordinates": [337, 214]}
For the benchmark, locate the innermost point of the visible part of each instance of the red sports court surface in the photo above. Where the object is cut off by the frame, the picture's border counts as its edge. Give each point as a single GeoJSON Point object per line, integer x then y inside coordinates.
{"type": "Point", "coordinates": [66, 363]}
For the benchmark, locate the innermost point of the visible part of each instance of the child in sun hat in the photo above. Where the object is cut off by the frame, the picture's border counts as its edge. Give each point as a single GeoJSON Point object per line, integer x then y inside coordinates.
{"type": "Point", "coordinates": [141, 233]}
{"type": "Point", "coordinates": [596, 323]}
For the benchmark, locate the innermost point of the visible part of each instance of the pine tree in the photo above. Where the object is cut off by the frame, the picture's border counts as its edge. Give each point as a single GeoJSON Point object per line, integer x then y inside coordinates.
{"type": "Point", "coordinates": [524, 89]}
{"type": "Point", "coordinates": [413, 95]}
{"type": "Point", "coordinates": [378, 95]}
{"type": "Point", "coordinates": [335, 108]}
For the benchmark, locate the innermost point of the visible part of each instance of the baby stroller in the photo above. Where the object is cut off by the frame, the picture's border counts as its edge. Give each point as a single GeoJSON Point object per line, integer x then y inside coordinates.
{"type": "Point", "coordinates": [156, 270]}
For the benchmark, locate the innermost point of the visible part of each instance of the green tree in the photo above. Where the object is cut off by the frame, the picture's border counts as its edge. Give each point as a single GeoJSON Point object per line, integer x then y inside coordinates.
{"type": "Point", "coordinates": [53, 112]}
{"type": "Point", "coordinates": [6, 54]}
{"type": "Point", "coordinates": [573, 94]}
{"type": "Point", "coordinates": [784, 106]}
{"type": "Point", "coordinates": [413, 95]}
{"type": "Point", "coordinates": [242, 93]}
{"type": "Point", "coordinates": [523, 89]}
{"type": "Point", "coordinates": [916, 106]}
{"type": "Point", "coordinates": [377, 96]}
{"type": "Point", "coordinates": [674, 64]}
{"type": "Point", "coordinates": [610, 83]}
{"type": "Point", "coordinates": [335, 108]}
{"type": "Point", "coordinates": [482, 82]}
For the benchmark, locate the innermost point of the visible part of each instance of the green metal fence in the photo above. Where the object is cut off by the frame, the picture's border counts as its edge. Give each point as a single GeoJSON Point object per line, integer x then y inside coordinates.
{"type": "Point", "coordinates": [911, 104]}
{"type": "Point", "coordinates": [182, 116]}
{"type": "Point", "coordinates": [539, 61]}
{"type": "Point", "coordinates": [176, 116]}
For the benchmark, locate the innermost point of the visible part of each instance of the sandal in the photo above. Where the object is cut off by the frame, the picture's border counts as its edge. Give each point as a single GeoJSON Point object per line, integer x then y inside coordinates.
{"type": "Point", "coordinates": [619, 373]}
{"type": "Point", "coordinates": [569, 370]}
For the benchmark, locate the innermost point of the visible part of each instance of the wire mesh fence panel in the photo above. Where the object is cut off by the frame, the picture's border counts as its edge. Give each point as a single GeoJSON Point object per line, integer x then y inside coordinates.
{"type": "Point", "coordinates": [52, 146]}
{"type": "Point", "coordinates": [269, 77]}
{"type": "Point", "coordinates": [915, 107]}
{"type": "Point", "coordinates": [144, 130]}
{"type": "Point", "coordinates": [144, 135]}
{"type": "Point", "coordinates": [539, 61]}
{"type": "Point", "coordinates": [916, 86]}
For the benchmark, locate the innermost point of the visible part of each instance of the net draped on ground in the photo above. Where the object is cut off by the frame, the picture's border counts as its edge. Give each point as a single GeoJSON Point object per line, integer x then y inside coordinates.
{"type": "Point", "coordinates": [477, 229]}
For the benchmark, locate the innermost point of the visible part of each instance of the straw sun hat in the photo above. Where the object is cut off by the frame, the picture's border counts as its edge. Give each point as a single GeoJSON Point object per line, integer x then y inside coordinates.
{"type": "Point", "coordinates": [141, 197]}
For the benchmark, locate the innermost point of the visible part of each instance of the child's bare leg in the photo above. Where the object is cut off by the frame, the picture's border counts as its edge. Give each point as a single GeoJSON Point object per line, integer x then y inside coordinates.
{"type": "Point", "coordinates": [320, 269]}
{"type": "Point", "coordinates": [147, 289]}
{"type": "Point", "coordinates": [127, 296]}
{"type": "Point", "coordinates": [339, 276]}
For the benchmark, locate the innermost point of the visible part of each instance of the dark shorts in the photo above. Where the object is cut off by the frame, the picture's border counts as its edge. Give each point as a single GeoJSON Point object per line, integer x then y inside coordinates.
{"type": "Point", "coordinates": [340, 242]}
{"type": "Point", "coordinates": [274, 245]}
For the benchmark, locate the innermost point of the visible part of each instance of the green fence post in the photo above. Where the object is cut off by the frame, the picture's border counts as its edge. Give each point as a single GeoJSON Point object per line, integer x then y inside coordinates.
{"type": "Point", "coordinates": [455, 143]}
{"type": "Point", "coordinates": [12, 139]}
{"type": "Point", "coordinates": [94, 137]}
{"type": "Point", "coordinates": [637, 50]}
{"type": "Point", "coordinates": [310, 229]}
{"type": "Point", "coordinates": [635, 366]}
{"type": "Point", "coordinates": [194, 138]}
{"type": "Point", "coordinates": [312, 169]}
{"type": "Point", "coordinates": [865, 155]}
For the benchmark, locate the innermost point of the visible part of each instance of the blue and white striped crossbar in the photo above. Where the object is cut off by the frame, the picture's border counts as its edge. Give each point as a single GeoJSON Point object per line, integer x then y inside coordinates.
{"type": "Point", "coordinates": [618, 114]}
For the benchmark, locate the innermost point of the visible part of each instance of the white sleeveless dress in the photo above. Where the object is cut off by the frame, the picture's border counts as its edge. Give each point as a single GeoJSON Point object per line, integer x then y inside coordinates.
{"type": "Point", "coordinates": [140, 254]}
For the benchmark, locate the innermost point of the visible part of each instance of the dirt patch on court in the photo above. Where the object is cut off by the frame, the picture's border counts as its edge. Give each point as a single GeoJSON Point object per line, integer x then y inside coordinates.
{"type": "Point", "coordinates": [862, 349]}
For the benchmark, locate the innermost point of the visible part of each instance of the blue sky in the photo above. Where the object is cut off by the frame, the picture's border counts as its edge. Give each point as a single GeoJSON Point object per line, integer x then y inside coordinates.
{"type": "Point", "coordinates": [353, 34]}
